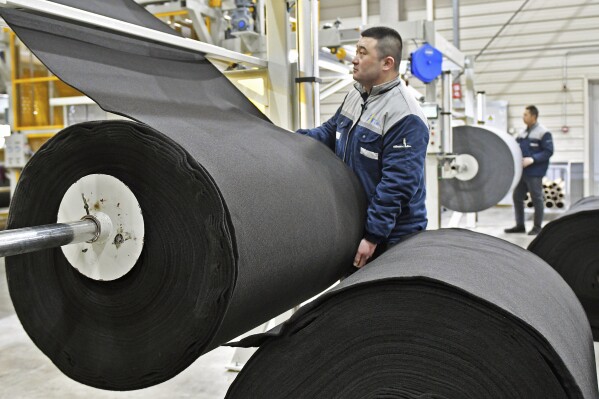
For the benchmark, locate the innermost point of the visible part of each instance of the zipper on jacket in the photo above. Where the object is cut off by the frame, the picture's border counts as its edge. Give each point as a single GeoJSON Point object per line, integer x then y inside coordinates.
{"type": "Point", "coordinates": [352, 129]}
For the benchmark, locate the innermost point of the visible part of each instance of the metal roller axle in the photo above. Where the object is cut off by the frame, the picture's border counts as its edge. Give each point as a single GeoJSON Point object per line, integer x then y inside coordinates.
{"type": "Point", "coordinates": [31, 239]}
{"type": "Point", "coordinates": [100, 229]}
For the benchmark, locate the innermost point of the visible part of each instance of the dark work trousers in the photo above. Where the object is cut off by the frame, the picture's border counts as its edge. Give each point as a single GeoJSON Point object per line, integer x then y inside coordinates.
{"type": "Point", "coordinates": [534, 186]}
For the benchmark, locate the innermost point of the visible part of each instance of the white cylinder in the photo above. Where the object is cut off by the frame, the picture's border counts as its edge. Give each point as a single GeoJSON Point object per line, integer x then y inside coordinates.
{"type": "Point", "coordinates": [112, 205]}
{"type": "Point", "coordinates": [364, 13]}
{"type": "Point", "coordinates": [430, 10]}
{"type": "Point", "coordinates": [481, 107]}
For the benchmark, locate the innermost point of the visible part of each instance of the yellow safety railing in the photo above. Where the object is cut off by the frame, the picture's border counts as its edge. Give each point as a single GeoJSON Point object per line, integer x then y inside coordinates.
{"type": "Point", "coordinates": [171, 14]}
{"type": "Point", "coordinates": [30, 99]}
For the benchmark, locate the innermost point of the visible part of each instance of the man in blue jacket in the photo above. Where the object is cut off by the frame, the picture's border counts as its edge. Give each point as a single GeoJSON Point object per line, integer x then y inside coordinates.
{"type": "Point", "coordinates": [536, 144]}
{"type": "Point", "coordinates": [381, 132]}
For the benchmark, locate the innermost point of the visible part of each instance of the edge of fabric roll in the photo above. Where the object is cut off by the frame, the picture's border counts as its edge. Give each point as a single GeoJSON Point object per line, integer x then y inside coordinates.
{"type": "Point", "coordinates": [523, 289]}
{"type": "Point", "coordinates": [283, 193]}
{"type": "Point", "coordinates": [66, 313]}
{"type": "Point", "coordinates": [568, 244]}
{"type": "Point", "coordinates": [500, 167]}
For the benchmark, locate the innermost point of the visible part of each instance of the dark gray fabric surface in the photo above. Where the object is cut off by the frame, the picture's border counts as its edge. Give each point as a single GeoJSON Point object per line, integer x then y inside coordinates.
{"type": "Point", "coordinates": [447, 313]}
{"type": "Point", "coordinates": [243, 219]}
{"type": "Point", "coordinates": [127, 11]}
{"type": "Point", "coordinates": [570, 245]}
{"type": "Point", "coordinates": [498, 158]}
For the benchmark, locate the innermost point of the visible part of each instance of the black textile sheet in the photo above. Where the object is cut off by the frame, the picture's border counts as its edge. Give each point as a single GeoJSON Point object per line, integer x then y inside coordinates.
{"type": "Point", "coordinates": [243, 220]}
{"type": "Point", "coordinates": [570, 244]}
{"type": "Point", "coordinates": [444, 314]}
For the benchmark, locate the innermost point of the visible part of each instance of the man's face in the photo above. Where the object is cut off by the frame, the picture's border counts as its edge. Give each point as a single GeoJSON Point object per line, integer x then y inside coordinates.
{"type": "Point", "coordinates": [367, 66]}
{"type": "Point", "coordinates": [528, 118]}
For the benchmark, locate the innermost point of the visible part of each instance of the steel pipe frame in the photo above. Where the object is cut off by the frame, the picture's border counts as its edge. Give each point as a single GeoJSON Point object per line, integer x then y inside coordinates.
{"type": "Point", "coordinates": [447, 131]}
{"type": "Point", "coordinates": [308, 55]}
{"type": "Point", "coordinates": [71, 13]}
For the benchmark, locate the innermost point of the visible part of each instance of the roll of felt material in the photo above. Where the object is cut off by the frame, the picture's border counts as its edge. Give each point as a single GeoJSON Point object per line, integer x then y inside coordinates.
{"type": "Point", "coordinates": [499, 162]}
{"type": "Point", "coordinates": [4, 196]}
{"type": "Point", "coordinates": [444, 314]}
{"type": "Point", "coordinates": [243, 220]}
{"type": "Point", "coordinates": [569, 245]}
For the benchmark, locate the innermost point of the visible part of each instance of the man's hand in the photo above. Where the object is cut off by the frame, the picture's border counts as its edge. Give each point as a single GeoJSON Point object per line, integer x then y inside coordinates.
{"type": "Point", "coordinates": [365, 251]}
{"type": "Point", "coordinates": [527, 161]}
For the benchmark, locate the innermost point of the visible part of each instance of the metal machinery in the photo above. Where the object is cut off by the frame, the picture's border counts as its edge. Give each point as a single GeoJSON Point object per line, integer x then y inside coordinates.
{"type": "Point", "coordinates": [96, 226]}
{"type": "Point", "coordinates": [42, 105]}
{"type": "Point", "coordinates": [227, 32]}
{"type": "Point", "coordinates": [444, 166]}
{"type": "Point", "coordinates": [242, 18]}
{"type": "Point", "coordinates": [226, 26]}
{"type": "Point", "coordinates": [235, 25]}
{"type": "Point", "coordinates": [280, 76]}
{"type": "Point", "coordinates": [286, 88]}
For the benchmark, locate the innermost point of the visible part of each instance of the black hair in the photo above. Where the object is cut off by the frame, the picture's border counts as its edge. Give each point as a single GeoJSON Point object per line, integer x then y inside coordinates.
{"type": "Point", "coordinates": [533, 111]}
{"type": "Point", "coordinates": [389, 43]}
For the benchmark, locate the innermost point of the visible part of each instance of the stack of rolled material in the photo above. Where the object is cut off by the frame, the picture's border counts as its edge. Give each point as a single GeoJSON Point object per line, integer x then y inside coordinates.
{"type": "Point", "coordinates": [553, 194]}
{"type": "Point", "coordinates": [243, 220]}
{"type": "Point", "coordinates": [445, 314]}
{"type": "Point", "coordinates": [569, 245]}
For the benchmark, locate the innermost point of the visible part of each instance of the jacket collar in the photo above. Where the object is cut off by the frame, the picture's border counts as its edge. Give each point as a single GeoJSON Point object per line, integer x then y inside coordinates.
{"type": "Point", "coordinates": [530, 129]}
{"type": "Point", "coordinates": [378, 89]}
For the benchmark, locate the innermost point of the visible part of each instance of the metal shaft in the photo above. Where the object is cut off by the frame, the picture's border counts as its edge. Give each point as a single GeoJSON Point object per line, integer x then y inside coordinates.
{"type": "Point", "coordinates": [30, 239]}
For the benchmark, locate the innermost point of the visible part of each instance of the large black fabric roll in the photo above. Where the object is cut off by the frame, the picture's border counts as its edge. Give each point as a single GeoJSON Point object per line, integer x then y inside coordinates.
{"type": "Point", "coordinates": [243, 220]}
{"type": "Point", "coordinates": [444, 314]}
{"type": "Point", "coordinates": [569, 245]}
{"type": "Point", "coordinates": [499, 167]}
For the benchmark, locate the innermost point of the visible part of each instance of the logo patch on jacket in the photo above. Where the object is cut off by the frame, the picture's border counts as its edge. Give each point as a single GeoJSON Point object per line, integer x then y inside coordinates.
{"type": "Point", "coordinates": [404, 145]}
{"type": "Point", "coordinates": [373, 121]}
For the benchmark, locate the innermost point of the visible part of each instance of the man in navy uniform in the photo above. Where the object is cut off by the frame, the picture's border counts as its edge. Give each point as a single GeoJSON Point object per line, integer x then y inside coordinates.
{"type": "Point", "coordinates": [381, 132]}
{"type": "Point", "coordinates": [536, 144]}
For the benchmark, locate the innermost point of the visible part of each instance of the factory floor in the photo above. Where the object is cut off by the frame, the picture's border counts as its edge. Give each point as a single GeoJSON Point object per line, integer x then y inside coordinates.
{"type": "Point", "coordinates": [26, 373]}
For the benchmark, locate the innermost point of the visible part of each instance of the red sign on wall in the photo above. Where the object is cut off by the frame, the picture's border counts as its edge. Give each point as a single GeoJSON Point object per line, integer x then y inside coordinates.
{"type": "Point", "coordinates": [456, 91]}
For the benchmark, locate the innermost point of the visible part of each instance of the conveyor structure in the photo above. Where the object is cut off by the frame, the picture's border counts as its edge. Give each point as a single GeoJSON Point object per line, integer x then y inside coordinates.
{"type": "Point", "coordinates": [96, 228]}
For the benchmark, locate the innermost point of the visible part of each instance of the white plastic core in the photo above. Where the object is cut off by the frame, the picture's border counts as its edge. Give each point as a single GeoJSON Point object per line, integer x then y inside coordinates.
{"type": "Point", "coordinates": [121, 239]}
{"type": "Point", "coordinates": [467, 167]}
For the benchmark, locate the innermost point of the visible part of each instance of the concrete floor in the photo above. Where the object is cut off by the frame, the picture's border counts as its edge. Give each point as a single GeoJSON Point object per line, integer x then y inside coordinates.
{"type": "Point", "coordinates": [26, 373]}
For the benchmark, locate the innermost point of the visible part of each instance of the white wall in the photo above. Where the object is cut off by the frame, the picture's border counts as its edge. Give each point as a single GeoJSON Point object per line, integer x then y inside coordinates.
{"type": "Point", "coordinates": [524, 65]}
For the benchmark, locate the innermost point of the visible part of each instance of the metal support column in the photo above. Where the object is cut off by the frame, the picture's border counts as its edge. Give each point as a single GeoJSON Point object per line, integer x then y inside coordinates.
{"type": "Point", "coordinates": [456, 23]}
{"type": "Point", "coordinates": [430, 37]}
{"type": "Point", "coordinates": [481, 107]}
{"type": "Point", "coordinates": [447, 131]}
{"type": "Point", "coordinates": [315, 51]}
{"type": "Point", "coordinates": [430, 10]}
{"type": "Point", "coordinates": [391, 14]}
{"type": "Point", "coordinates": [281, 85]}
{"type": "Point", "coordinates": [309, 82]}
{"type": "Point", "coordinates": [433, 203]}
{"type": "Point", "coordinates": [469, 91]}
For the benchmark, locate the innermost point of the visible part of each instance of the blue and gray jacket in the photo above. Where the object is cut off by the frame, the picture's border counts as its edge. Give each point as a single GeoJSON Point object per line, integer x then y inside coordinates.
{"type": "Point", "coordinates": [536, 143]}
{"type": "Point", "coordinates": [383, 137]}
